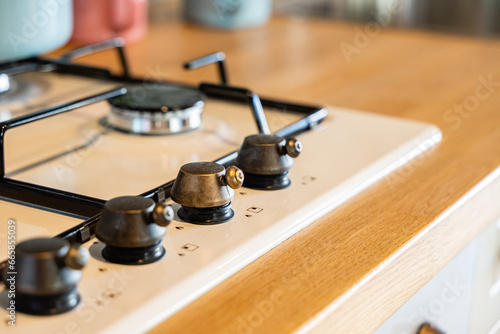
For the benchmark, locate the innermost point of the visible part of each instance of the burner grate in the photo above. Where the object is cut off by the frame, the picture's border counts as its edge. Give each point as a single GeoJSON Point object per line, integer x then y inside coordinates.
{"type": "Point", "coordinates": [84, 206]}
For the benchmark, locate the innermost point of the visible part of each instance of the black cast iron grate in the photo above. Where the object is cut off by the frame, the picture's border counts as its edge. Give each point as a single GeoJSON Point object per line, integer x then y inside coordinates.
{"type": "Point", "coordinates": [89, 208]}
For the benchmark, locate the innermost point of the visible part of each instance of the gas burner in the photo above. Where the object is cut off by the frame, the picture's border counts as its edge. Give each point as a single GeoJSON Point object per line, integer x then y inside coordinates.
{"type": "Point", "coordinates": [21, 88]}
{"type": "Point", "coordinates": [157, 109]}
{"type": "Point", "coordinates": [205, 191]}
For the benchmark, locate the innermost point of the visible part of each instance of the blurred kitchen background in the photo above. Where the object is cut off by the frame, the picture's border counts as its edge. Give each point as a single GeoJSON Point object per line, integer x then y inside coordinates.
{"type": "Point", "coordinates": [479, 17]}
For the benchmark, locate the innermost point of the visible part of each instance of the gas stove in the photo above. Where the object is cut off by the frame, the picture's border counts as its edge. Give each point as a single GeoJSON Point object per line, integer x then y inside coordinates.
{"type": "Point", "coordinates": [127, 198]}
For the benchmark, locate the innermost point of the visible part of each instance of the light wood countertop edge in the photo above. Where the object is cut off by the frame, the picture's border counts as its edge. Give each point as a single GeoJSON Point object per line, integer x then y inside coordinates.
{"type": "Point", "coordinates": [370, 302]}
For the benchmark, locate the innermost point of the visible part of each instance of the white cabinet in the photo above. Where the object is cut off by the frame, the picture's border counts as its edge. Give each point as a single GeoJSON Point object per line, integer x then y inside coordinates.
{"type": "Point", "coordinates": [463, 298]}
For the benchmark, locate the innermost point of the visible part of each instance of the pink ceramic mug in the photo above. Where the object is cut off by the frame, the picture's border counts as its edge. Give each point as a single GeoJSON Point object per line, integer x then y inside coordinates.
{"type": "Point", "coordinates": [98, 20]}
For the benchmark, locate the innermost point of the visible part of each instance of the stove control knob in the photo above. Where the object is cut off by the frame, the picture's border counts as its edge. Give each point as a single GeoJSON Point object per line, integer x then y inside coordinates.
{"type": "Point", "coordinates": [266, 160]}
{"type": "Point", "coordinates": [48, 270]}
{"type": "Point", "coordinates": [205, 191]}
{"type": "Point", "coordinates": [133, 227]}
{"type": "Point", "coordinates": [427, 328]}
{"type": "Point", "coordinates": [205, 185]}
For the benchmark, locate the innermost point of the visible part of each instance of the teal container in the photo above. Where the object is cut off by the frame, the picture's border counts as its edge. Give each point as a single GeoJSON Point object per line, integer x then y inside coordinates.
{"type": "Point", "coordinates": [228, 14]}
{"type": "Point", "coordinates": [32, 27]}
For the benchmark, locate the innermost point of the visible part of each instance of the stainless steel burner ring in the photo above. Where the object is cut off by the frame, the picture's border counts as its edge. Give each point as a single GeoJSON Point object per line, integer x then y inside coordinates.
{"type": "Point", "coordinates": [157, 122]}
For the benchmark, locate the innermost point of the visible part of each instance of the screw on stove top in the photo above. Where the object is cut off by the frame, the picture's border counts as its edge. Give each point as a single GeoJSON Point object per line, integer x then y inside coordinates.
{"type": "Point", "coordinates": [45, 274]}
{"type": "Point", "coordinates": [205, 191]}
{"type": "Point", "coordinates": [133, 227]}
{"type": "Point", "coordinates": [266, 160]}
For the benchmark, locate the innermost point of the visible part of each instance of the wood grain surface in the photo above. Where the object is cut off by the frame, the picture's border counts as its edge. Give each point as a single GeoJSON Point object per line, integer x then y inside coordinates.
{"type": "Point", "coordinates": [349, 271]}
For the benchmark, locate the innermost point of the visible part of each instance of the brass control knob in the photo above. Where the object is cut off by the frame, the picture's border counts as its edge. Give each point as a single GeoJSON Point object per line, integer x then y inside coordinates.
{"type": "Point", "coordinates": [205, 185]}
{"type": "Point", "coordinates": [266, 160]}
{"type": "Point", "coordinates": [46, 273]}
{"type": "Point", "coordinates": [205, 191]}
{"type": "Point", "coordinates": [133, 227]}
{"type": "Point", "coordinates": [427, 328]}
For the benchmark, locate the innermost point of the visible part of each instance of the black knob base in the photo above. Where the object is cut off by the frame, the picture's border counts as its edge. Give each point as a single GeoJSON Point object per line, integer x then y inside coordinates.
{"type": "Point", "coordinates": [47, 305]}
{"type": "Point", "coordinates": [266, 182]}
{"type": "Point", "coordinates": [206, 216]}
{"type": "Point", "coordinates": [134, 256]}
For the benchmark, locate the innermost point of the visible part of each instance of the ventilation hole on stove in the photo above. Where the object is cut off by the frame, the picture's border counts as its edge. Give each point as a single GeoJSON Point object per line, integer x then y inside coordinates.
{"type": "Point", "coordinates": [249, 216]}
{"type": "Point", "coordinates": [179, 227]}
{"type": "Point", "coordinates": [243, 193]}
{"type": "Point", "coordinates": [181, 254]}
{"type": "Point", "coordinates": [103, 269]}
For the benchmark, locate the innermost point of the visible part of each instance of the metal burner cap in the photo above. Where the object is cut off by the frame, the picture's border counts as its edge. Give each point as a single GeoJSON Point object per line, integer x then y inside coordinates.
{"type": "Point", "coordinates": [158, 98]}
{"type": "Point", "coordinates": [157, 109]}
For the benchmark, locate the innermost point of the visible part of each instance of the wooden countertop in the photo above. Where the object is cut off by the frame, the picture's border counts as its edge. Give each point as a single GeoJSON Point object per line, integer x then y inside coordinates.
{"type": "Point", "coordinates": [349, 271]}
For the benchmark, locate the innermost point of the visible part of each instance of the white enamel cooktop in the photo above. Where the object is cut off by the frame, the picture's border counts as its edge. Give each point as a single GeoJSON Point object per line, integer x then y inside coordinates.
{"type": "Point", "coordinates": [345, 154]}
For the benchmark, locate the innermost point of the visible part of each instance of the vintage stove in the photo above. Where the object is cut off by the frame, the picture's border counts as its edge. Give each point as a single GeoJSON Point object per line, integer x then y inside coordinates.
{"type": "Point", "coordinates": [158, 191]}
